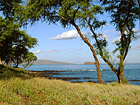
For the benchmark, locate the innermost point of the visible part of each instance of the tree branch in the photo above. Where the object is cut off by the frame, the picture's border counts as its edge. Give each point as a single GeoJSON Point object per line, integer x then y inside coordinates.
{"type": "Point", "coordinates": [62, 17]}
{"type": "Point", "coordinates": [75, 12]}
{"type": "Point", "coordinates": [101, 52]}
{"type": "Point", "coordinates": [123, 37]}
{"type": "Point", "coordinates": [127, 47]}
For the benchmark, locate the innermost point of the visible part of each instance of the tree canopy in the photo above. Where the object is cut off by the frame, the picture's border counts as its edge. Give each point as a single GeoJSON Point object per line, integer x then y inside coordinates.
{"type": "Point", "coordinates": [7, 7]}
{"type": "Point", "coordinates": [29, 60]}
{"type": "Point", "coordinates": [14, 44]}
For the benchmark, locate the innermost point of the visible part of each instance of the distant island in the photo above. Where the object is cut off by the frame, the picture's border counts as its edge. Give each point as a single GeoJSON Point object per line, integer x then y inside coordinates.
{"type": "Point", "coordinates": [48, 62]}
{"type": "Point", "coordinates": [87, 63]}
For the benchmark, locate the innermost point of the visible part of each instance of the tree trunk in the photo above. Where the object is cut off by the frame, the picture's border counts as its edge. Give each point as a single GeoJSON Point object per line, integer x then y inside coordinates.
{"type": "Point", "coordinates": [121, 77]}
{"type": "Point", "coordinates": [121, 71]}
{"type": "Point", "coordinates": [93, 52]}
{"type": "Point", "coordinates": [0, 61]}
{"type": "Point", "coordinates": [98, 67]}
{"type": "Point", "coordinates": [101, 51]}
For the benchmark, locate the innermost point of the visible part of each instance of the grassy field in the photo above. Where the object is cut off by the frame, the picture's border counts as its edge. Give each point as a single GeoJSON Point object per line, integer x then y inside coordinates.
{"type": "Point", "coordinates": [18, 88]}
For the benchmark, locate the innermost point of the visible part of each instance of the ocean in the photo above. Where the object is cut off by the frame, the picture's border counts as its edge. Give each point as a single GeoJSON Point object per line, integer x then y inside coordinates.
{"type": "Point", "coordinates": [86, 73]}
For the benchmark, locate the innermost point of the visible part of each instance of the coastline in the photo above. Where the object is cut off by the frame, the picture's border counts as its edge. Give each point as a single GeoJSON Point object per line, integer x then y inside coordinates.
{"type": "Point", "coordinates": [48, 75]}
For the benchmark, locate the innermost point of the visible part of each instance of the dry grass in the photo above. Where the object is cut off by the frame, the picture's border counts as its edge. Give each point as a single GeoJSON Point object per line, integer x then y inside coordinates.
{"type": "Point", "coordinates": [20, 89]}
{"type": "Point", "coordinates": [40, 91]}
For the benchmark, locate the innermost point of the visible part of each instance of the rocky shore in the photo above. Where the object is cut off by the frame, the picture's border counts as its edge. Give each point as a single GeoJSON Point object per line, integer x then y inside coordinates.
{"type": "Point", "coordinates": [48, 74]}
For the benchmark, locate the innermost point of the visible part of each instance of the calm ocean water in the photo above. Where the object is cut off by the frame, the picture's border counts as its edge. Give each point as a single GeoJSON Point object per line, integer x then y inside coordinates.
{"type": "Point", "coordinates": [89, 73]}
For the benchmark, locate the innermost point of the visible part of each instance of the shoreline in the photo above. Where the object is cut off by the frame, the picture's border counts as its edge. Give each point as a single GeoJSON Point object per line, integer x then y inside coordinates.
{"type": "Point", "coordinates": [48, 75]}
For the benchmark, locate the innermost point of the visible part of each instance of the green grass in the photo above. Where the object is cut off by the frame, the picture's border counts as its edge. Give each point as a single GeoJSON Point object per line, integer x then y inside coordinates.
{"type": "Point", "coordinates": [21, 89]}
{"type": "Point", "coordinates": [7, 72]}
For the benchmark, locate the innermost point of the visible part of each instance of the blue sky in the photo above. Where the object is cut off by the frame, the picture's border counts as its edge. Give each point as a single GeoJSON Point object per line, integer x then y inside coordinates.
{"type": "Point", "coordinates": [59, 44]}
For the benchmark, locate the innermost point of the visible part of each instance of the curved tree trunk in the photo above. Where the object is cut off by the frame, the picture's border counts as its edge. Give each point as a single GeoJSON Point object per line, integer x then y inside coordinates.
{"type": "Point", "coordinates": [93, 52]}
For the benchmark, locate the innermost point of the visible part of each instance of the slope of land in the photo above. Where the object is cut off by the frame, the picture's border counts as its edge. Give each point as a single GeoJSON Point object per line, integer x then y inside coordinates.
{"type": "Point", "coordinates": [18, 88]}
{"type": "Point", "coordinates": [45, 62]}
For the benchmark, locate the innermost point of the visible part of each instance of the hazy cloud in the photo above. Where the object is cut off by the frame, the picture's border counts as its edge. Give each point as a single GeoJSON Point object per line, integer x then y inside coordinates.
{"type": "Point", "coordinates": [115, 39]}
{"type": "Point", "coordinates": [48, 51]}
{"type": "Point", "coordinates": [106, 36]}
{"type": "Point", "coordinates": [66, 35]}
{"type": "Point", "coordinates": [136, 47]}
{"type": "Point", "coordinates": [52, 51]}
{"type": "Point", "coordinates": [37, 51]}
{"type": "Point", "coordinates": [106, 31]}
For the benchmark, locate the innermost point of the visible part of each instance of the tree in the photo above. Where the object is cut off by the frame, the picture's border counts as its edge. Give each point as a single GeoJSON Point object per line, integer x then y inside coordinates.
{"type": "Point", "coordinates": [14, 43]}
{"type": "Point", "coordinates": [124, 13]}
{"type": "Point", "coordinates": [29, 60]}
{"type": "Point", "coordinates": [67, 12]}
{"type": "Point", "coordinates": [6, 7]}
{"type": "Point", "coordinates": [6, 29]}
{"type": "Point", "coordinates": [83, 13]}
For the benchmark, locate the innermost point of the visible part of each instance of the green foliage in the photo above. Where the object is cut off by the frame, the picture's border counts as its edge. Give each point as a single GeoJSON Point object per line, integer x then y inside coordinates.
{"type": "Point", "coordinates": [123, 21]}
{"type": "Point", "coordinates": [126, 81]}
{"type": "Point", "coordinates": [7, 6]}
{"type": "Point", "coordinates": [7, 73]}
{"type": "Point", "coordinates": [4, 68]}
{"type": "Point", "coordinates": [119, 15]}
{"type": "Point", "coordinates": [29, 60]}
{"type": "Point", "coordinates": [14, 43]}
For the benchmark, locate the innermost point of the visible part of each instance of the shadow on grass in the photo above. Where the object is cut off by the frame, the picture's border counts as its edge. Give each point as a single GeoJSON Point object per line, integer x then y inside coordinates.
{"type": "Point", "coordinates": [7, 72]}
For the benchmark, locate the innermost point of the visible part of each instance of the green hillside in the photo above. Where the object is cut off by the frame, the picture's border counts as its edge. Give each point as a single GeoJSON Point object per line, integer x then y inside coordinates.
{"type": "Point", "coordinates": [18, 88]}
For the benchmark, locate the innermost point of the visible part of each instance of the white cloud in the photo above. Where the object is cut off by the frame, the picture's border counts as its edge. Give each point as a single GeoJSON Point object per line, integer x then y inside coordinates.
{"type": "Point", "coordinates": [37, 52]}
{"type": "Point", "coordinates": [51, 51]}
{"type": "Point", "coordinates": [106, 36]}
{"type": "Point", "coordinates": [66, 35]}
{"type": "Point", "coordinates": [48, 51]}
{"type": "Point", "coordinates": [106, 31]}
{"type": "Point", "coordinates": [115, 39]}
{"type": "Point", "coordinates": [136, 47]}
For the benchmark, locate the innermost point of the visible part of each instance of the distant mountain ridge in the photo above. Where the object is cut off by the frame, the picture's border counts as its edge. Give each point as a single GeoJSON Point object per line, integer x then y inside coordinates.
{"type": "Point", "coordinates": [47, 62]}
